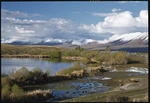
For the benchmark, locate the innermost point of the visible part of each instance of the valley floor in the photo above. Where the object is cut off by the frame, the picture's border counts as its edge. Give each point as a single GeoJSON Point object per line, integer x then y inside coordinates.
{"type": "Point", "coordinates": [135, 88]}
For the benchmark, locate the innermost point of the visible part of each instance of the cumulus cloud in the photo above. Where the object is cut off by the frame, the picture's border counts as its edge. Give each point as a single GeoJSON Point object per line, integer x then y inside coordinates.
{"type": "Point", "coordinates": [14, 27]}
{"type": "Point", "coordinates": [142, 19]}
{"type": "Point", "coordinates": [119, 23]}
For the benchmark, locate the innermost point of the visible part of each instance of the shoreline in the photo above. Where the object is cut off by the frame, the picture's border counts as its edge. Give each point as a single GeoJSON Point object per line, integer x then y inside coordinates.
{"type": "Point", "coordinates": [27, 56]}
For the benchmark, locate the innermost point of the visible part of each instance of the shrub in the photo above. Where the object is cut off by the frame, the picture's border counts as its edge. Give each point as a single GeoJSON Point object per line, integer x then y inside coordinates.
{"type": "Point", "coordinates": [47, 73]}
{"type": "Point", "coordinates": [38, 95]}
{"type": "Point", "coordinates": [20, 76]}
{"type": "Point", "coordinates": [76, 66]}
{"type": "Point", "coordinates": [23, 77]}
{"type": "Point", "coordinates": [79, 48]}
{"type": "Point", "coordinates": [16, 94]}
{"type": "Point", "coordinates": [5, 80]}
{"type": "Point", "coordinates": [6, 90]}
{"type": "Point", "coordinates": [37, 74]}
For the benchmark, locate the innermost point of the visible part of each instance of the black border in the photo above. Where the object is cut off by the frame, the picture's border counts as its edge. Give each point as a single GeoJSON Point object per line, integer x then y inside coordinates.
{"type": "Point", "coordinates": [88, 1]}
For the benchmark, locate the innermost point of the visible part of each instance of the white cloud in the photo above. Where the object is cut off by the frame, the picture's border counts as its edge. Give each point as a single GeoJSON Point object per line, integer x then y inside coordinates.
{"type": "Point", "coordinates": [60, 30]}
{"type": "Point", "coordinates": [31, 29]}
{"type": "Point", "coordinates": [102, 14]}
{"type": "Point", "coordinates": [123, 19]}
{"type": "Point", "coordinates": [142, 20]}
{"type": "Point", "coordinates": [8, 40]}
{"type": "Point", "coordinates": [122, 2]}
{"type": "Point", "coordinates": [119, 23]}
{"type": "Point", "coordinates": [7, 13]}
{"type": "Point", "coordinates": [115, 10]}
{"type": "Point", "coordinates": [22, 31]}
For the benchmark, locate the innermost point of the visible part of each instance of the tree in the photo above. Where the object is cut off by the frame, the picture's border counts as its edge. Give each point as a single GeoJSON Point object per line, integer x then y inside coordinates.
{"type": "Point", "coordinates": [108, 49]}
{"type": "Point", "coordinates": [79, 48]}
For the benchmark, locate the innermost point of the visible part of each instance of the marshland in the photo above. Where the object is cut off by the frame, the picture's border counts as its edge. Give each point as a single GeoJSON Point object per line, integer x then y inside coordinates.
{"type": "Point", "coordinates": [54, 74]}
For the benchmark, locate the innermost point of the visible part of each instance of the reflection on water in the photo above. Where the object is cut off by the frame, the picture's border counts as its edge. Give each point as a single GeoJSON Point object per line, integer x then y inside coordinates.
{"type": "Point", "coordinates": [8, 64]}
{"type": "Point", "coordinates": [77, 89]}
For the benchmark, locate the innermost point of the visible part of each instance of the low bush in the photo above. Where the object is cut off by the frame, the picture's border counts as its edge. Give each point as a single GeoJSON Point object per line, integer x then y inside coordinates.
{"type": "Point", "coordinates": [5, 80]}
{"type": "Point", "coordinates": [16, 94]}
{"type": "Point", "coordinates": [76, 66]}
{"type": "Point", "coordinates": [23, 77]}
{"type": "Point", "coordinates": [6, 90]}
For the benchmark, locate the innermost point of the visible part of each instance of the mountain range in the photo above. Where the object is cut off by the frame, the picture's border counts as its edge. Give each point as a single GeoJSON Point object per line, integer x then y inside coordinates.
{"type": "Point", "coordinates": [133, 42]}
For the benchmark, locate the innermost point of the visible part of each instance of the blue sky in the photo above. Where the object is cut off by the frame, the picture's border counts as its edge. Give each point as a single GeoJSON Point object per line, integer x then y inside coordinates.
{"type": "Point", "coordinates": [60, 21]}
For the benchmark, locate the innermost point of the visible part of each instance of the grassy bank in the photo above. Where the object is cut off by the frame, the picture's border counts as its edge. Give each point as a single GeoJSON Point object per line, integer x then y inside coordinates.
{"type": "Point", "coordinates": [135, 92]}
{"type": "Point", "coordinates": [12, 84]}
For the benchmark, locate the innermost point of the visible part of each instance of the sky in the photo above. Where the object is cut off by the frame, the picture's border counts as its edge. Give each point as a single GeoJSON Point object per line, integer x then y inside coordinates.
{"type": "Point", "coordinates": [79, 21]}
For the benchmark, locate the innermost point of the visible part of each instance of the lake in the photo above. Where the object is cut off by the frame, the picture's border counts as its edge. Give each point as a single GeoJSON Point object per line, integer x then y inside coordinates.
{"type": "Point", "coordinates": [8, 64]}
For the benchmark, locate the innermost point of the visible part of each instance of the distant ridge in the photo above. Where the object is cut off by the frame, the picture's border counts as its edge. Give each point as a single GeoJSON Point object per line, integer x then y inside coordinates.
{"type": "Point", "coordinates": [137, 42]}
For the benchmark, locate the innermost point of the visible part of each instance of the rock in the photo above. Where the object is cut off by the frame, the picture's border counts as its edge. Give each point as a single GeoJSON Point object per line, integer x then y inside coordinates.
{"type": "Point", "coordinates": [146, 98]}
{"type": "Point", "coordinates": [134, 79]}
{"type": "Point", "coordinates": [137, 100]}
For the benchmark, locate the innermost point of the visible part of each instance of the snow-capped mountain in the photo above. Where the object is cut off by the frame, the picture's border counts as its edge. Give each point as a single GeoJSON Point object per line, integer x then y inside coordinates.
{"type": "Point", "coordinates": [122, 42]}
{"type": "Point", "coordinates": [129, 37]}
{"type": "Point", "coordinates": [132, 40]}
{"type": "Point", "coordinates": [126, 37]}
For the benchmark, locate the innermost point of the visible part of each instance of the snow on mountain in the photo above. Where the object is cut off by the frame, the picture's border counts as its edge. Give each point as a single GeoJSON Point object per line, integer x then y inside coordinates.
{"type": "Point", "coordinates": [125, 37]}
{"type": "Point", "coordinates": [54, 40]}
{"type": "Point", "coordinates": [80, 41]}
{"type": "Point", "coordinates": [117, 39]}
{"type": "Point", "coordinates": [128, 37]}
{"type": "Point", "coordinates": [75, 42]}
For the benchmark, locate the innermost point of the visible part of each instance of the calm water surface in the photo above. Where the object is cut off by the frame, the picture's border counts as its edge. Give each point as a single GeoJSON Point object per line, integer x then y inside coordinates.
{"type": "Point", "coordinates": [8, 64]}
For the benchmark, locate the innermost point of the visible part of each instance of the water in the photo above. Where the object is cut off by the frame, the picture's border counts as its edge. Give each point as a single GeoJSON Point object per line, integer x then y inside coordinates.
{"type": "Point", "coordinates": [76, 89]}
{"type": "Point", "coordinates": [8, 64]}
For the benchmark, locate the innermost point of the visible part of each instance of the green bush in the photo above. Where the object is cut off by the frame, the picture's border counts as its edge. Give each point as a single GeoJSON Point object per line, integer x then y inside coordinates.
{"type": "Point", "coordinates": [21, 75]}
{"type": "Point", "coordinates": [48, 73]}
{"type": "Point", "coordinates": [119, 58]}
{"type": "Point", "coordinates": [37, 74]}
{"type": "Point", "coordinates": [6, 90]}
{"type": "Point", "coordinates": [17, 94]}
{"type": "Point", "coordinates": [79, 48]}
{"type": "Point", "coordinates": [76, 66]}
{"type": "Point", "coordinates": [5, 80]}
